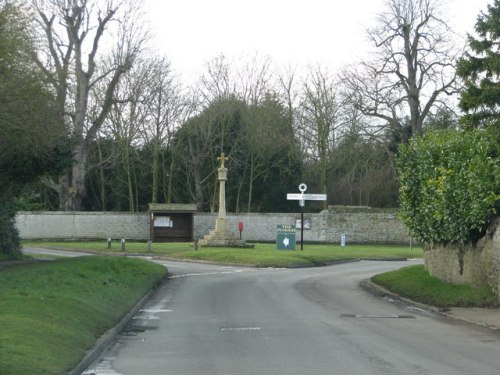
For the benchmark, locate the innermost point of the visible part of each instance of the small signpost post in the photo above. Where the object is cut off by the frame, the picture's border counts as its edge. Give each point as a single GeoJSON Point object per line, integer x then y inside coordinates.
{"type": "Point", "coordinates": [302, 198]}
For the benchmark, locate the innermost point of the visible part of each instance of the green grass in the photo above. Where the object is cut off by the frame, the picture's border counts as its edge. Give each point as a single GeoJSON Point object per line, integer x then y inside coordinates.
{"type": "Point", "coordinates": [262, 255]}
{"type": "Point", "coordinates": [417, 284]}
{"type": "Point", "coordinates": [4, 257]}
{"type": "Point", "coordinates": [52, 312]}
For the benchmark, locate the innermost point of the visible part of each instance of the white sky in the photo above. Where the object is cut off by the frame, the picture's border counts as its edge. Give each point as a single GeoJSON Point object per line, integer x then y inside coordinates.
{"type": "Point", "coordinates": [330, 32]}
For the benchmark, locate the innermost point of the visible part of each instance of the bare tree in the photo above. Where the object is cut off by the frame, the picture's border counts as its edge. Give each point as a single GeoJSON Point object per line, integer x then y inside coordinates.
{"type": "Point", "coordinates": [413, 68]}
{"type": "Point", "coordinates": [288, 93]}
{"type": "Point", "coordinates": [166, 110]}
{"type": "Point", "coordinates": [123, 126]}
{"type": "Point", "coordinates": [254, 79]}
{"type": "Point", "coordinates": [218, 81]}
{"type": "Point", "coordinates": [76, 33]}
{"type": "Point", "coordinates": [320, 119]}
{"type": "Point", "coordinates": [246, 79]}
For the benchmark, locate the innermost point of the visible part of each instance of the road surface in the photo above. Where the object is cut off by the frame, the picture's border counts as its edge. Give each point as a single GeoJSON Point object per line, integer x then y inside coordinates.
{"type": "Point", "coordinates": [231, 320]}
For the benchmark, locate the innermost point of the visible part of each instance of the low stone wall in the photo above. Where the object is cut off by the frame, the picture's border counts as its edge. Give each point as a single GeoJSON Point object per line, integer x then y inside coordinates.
{"type": "Point", "coordinates": [476, 264]}
{"type": "Point", "coordinates": [363, 225]}
{"type": "Point", "coordinates": [58, 225]}
{"type": "Point", "coordinates": [358, 224]}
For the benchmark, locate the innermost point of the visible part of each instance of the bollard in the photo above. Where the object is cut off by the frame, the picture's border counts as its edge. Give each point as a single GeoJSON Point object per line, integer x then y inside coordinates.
{"type": "Point", "coordinates": [195, 245]}
{"type": "Point", "coordinates": [123, 244]}
{"type": "Point", "coordinates": [149, 246]}
{"type": "Point", "coordinates": [109, 242]}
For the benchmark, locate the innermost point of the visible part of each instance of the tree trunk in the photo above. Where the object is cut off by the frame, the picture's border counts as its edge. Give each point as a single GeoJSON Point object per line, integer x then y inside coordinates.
{"type": "Point", "coordinates": [73, 189]}
{"type": "Point", "coordinates": [102, 187]}
{"type": "Point", "coordinates": [238, 195]}
{"type": "Point", "coordinates": [168, 195]}
{"type": "Point", "coordinates": [324, 167]}
{"type": "Point", "coordinates": [198, 188]}
{"type": "Point", "coordinates": [130, 186]}
{"type": "Point", "coordinates": [155, 184]}
{"type": "Point", "coordinates": [250, 183]}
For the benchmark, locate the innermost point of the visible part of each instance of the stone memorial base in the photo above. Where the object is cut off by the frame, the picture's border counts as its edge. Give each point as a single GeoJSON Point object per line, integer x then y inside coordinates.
{"type": "Point", "coordinates": [221, 236]}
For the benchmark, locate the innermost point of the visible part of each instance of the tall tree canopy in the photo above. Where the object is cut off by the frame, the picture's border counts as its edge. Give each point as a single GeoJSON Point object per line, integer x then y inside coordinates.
{"type": "Point", "coordinates": [480, 69]}
{"type": "Point", "coordinates": [76, 63]}
{"type": "Point", "coordinates": [28, 132]}
{"type": "Point", "coordinates": [30, 139]}
{"type": "Point", "coordinates": [413, 67]}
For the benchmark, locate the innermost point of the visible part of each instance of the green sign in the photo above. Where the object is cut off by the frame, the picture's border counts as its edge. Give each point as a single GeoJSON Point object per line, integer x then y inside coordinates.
{"type": "Point", "coordinates": [285, 237]}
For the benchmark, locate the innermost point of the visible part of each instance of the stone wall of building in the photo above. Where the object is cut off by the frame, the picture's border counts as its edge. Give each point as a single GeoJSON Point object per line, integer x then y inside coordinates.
{"type": "Point", "coordinates": [477, 264]}
{"type": "Point", "coordinates": [358, 224]}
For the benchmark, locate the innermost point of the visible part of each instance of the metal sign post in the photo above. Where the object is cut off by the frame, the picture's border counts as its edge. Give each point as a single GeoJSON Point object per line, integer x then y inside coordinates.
{"type": "Point", "coordinates": [302, 198]}
{"type": "Point", "coordinates": [301, 204]}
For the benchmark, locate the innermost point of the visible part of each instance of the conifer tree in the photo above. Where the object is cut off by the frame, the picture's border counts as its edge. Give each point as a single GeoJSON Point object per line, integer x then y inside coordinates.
{"type": "Point", "coordinates": [480, 70]}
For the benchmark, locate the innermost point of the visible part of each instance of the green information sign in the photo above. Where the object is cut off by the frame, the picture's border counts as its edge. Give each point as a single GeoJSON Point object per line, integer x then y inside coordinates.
{"type": "Point", "coordinates": [285, 237]}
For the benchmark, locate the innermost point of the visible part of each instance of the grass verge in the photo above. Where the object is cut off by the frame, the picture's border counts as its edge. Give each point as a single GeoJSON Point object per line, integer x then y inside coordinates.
{"type": "Point", "coordinates": [262, 255]}
{"type": "Point", "coordinates": [52, 312]}
{"type": "Point", "coordinates": [417, 284]}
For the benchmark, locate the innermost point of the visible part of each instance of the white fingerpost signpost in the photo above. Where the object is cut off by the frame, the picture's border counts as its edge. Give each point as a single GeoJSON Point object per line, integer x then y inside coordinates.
{"type": "Point", "coordinates": [302, 198]}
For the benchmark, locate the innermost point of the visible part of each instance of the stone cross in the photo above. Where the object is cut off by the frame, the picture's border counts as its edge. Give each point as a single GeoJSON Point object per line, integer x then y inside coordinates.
{"type": "Point", "coordinates": [222, 177]}
{"type": "Point", "coordinates": [221, 158]}
{"type": "Point", "coordinates": [222, 234]}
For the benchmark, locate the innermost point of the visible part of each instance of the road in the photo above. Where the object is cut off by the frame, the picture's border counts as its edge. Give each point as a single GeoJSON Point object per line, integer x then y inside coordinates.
{"type": "Point", "coordinates": [230, 320]}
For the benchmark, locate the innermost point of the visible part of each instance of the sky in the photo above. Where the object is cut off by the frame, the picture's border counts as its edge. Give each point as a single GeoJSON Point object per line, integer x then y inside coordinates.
{"type": "Point", "coordinates": [293, 33]}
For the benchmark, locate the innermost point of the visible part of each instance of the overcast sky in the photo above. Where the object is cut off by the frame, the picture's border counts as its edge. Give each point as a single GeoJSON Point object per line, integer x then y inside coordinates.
{"type": "Point", "coordinates": [330, 32]}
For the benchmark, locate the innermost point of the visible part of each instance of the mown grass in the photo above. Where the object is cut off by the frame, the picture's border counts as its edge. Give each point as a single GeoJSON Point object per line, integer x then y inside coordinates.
{"type": "Point", "coordinates": [261, 255]}
{"type": "Point", "coordinates": [52, 312]}
{"type": "Point", "coordinates": [417, 284]}
{"type": "Point", "coordinates": [4, 257]}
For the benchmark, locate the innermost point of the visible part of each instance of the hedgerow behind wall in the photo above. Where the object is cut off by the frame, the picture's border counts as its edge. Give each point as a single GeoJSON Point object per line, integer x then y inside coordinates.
{"type": "Point", "coordinates": [449, 185]}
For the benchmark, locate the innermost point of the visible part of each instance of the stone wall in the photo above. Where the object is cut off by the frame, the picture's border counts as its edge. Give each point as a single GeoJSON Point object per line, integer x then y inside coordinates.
{"type": "Point", "coordinates": [359, 224]}
{"type": "Point", "coordinates": [476, 264]}
{"type": "Point", "coordinates": [363, 225]}
{"type": "Point", "coordinates": [82, 225]}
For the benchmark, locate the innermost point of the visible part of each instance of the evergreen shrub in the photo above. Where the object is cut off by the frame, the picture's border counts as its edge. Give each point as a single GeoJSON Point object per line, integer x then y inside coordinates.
{"type": "Point", "coordinates": [449, 185]}
{"type": "Point", "coordinates": [10, 243]}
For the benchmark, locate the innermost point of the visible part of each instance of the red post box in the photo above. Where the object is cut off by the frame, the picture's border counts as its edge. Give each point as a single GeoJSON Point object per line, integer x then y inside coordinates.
{"type": "Point", "coordinates": [240, 227]}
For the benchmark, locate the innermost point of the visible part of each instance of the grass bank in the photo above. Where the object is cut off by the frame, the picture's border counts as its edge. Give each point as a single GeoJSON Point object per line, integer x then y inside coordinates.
{"type": "Point", "coordinates": [52, 312]}
{"type": "Point", "coordinates": [417, 284]}
{"type": "Point", "coordinates": [261, 255]}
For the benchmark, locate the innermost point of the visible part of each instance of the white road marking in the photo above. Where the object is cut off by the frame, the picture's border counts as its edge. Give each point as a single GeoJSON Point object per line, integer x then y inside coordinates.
{"type": "Point", "coordinates": [225, 329]}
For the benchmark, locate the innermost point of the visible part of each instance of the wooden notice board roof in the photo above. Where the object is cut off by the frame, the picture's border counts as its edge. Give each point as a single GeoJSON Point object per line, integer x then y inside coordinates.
{"type": "Point", "coordinates": [172, 207]}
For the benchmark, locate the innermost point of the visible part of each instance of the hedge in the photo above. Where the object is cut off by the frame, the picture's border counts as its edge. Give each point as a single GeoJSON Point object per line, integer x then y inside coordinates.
{"type": "Point", "coordinates": [449, 185]}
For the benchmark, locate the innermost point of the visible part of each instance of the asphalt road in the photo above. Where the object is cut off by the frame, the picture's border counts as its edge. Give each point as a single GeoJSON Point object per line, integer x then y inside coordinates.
{"type": "Point", "coordinates": [229, 320]}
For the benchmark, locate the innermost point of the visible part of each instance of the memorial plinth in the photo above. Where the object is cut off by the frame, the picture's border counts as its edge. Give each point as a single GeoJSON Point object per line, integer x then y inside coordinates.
{"type": "Point", "coordinates": [222, 234]}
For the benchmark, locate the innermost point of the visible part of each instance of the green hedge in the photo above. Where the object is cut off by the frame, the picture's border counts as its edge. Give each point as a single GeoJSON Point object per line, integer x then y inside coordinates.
{"type": "Point", "coordinates": [10, 243]}
{"type": "Point", "coordinates": [449, 185]}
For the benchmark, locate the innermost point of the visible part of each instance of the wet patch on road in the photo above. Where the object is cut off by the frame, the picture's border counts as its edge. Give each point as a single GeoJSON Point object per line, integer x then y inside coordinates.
{"type": "Point", "coordinates": [370, 316]}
